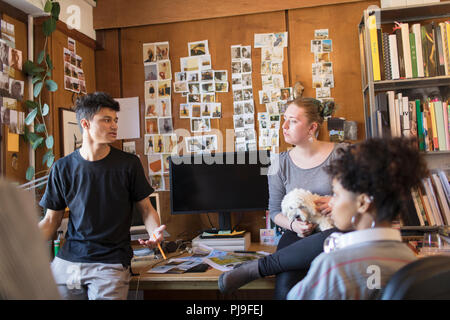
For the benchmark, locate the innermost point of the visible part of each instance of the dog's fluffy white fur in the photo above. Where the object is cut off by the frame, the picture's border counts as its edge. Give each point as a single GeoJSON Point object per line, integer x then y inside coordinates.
{"type": "Point", "coordinates": [299, 204]}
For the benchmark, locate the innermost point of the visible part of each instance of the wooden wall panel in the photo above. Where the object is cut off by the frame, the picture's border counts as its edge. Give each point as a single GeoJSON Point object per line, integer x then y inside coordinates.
{"type": "Point", "coordinates": [12, 172]}
{"type": "Point", "coordinates": [107, 71]}
{"type": "Point", "coordinates": [221, 33]}
{"type": "Point", "coordinates": [341, 21]}
{"type": "Point", "coordinates": [121, 13]}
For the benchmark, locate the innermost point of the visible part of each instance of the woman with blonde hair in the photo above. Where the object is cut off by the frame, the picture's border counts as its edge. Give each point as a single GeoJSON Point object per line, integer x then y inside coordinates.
{"type": "Point", "coordinates": [301, 167]}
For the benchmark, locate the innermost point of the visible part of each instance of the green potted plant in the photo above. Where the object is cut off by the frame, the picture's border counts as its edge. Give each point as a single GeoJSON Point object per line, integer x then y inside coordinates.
{"type": "Point", "coordinates": [41, 73]}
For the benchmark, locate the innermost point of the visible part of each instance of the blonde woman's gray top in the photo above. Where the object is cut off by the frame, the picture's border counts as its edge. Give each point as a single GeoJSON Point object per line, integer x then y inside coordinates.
{"type": "Point", "coordinates": [286, 175]}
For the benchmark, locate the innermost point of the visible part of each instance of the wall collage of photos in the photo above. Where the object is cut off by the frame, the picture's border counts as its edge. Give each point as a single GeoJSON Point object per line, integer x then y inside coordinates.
{"type": "Point", "coordinates": [74, 79]}
{"type": "Point", "coordinates": [322, 68]}
{"type": "Point", "coordinates": [274, 95]}
{"type": "Point", "coordinates": [159, 139]}
{"type": "Point", "coordinates": [199, 83]}
{"type": "Point", "coordinates": [323, 81]}
{"type": "Point", "coordinates": [243, 104]}
{"type": "Point", "coordinates": [11, 89]}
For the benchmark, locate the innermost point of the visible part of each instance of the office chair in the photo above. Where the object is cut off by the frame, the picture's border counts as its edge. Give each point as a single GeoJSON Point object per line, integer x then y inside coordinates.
{"type": "Point", "coordinates": [427, 278]}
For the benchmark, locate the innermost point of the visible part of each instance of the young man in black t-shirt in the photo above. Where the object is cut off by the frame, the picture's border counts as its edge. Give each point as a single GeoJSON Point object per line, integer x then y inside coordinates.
{"type": "Point", "coordinates": [99, 184]}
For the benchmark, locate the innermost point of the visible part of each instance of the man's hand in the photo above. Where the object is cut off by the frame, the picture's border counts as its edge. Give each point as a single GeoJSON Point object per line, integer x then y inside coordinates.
{"type": "Point", "coordinates": [156, 237]}
{"type": "Point", "coordinates": [322, 206]}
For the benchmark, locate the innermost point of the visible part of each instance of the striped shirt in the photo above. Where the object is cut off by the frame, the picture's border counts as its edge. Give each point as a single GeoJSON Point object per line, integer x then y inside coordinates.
{"type": "Point", "coordinates": [359, 269]}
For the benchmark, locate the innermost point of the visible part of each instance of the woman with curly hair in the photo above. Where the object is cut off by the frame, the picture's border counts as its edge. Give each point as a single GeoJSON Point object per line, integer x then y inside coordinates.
{"type": "Point", "coordinates": [372, 182]}
{"type": "Point", "coordinates": [301, 167]}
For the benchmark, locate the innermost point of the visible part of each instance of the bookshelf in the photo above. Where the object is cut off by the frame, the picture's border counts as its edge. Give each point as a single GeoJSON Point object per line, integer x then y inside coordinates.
{"type": "Point", "coordinates": [385, 19]}
{"type": "Point", "coordinates": [379, 24]}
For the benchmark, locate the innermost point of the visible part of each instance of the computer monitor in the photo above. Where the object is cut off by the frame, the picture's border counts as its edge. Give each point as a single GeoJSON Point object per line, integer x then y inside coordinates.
{"type": "Point", "coordinates": [137, 230]}
{"type": "Point", "coordinates": [221, 183]}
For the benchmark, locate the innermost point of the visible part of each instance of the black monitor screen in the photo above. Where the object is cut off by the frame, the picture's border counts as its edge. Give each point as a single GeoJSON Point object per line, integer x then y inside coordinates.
{"type": "Point", "coordinates": [225, 182]}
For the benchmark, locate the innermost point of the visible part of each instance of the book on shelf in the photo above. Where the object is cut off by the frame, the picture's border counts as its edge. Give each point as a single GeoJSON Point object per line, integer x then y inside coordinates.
{"type": "Point", "coordinates": [373, 35]}
{"type": "Point", "coordinates": [431, 200]}
{"type": "Point", "coordinates": [398, 111]}
{"type": "Point", "coordinates": [420, 128]}
{"type": "Point", "coordinates": [441, 198]}
{"type": "Point", "coordinates": [426, 205]}
{"type": "Point", "coordinates": [393, 57]}
{"type": "Point", "coordinates": [433, 126]}
{"type": "Point", "coordinates": [445, 111]}
{"type": "Point", "coordinates": [445, 48]}
{"type": "Point", "coordinates": [439, 50]}
{"type": "Point", "coordinates": [381, 55]}
{"type": "Point", "coordinates": [386, 56]}
{"type": "Point", "coordinates": [419, 208]}
{"type": "Point", "coordinates": [429, 50]}
{"type": "Point", "coordinates": [444, 182]}
{"type": "Point", "coordinates": [447, 38]}
{"type": "Point", "coordinates": [392, 116]}
{"type": "Point", "coordinates": [381, 105]}
{"type": "Point", "coordinates": [400, 52]}
{"type": "Point", "coordinates": [406, 117]}
{"type": "Point", "coordinates": [410, 51]}
{"type": "Point", "coordinates": [415, 29]}
{"type": "Point", "coordinates": [440, 125]}
{"type": "Point", "coordinates": [404, 27]}
{"type": "Point", "coordinates": [412, 42]}
{"type": "Point", "coordinates": [399, 115]}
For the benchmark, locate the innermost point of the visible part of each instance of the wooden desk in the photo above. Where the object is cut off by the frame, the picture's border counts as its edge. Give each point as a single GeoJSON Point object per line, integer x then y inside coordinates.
{"type": "Point", "coordinates": [191, 281]}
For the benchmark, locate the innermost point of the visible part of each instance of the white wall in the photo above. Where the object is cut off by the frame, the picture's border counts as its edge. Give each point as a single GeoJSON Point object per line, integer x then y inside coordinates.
{"type": "Point", "coordinates": [85, 10]}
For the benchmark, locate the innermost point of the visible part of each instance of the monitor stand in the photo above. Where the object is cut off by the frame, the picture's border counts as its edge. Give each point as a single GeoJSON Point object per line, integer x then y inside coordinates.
{"type": "Point", "coordinates": [224, 225]}
{"type": "Point", "coordinates": [225, 221]}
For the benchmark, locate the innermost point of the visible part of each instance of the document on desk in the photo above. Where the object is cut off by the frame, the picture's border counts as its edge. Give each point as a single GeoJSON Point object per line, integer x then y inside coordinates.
{"type": "Point", "coordinates": [225, 260]}
{"type": "Point", "coordinates": [175, 266]}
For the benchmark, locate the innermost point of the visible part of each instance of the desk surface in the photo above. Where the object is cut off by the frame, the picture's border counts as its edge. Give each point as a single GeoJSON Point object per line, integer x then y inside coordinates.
{"type": "Point", "coordinates": [190, 281]}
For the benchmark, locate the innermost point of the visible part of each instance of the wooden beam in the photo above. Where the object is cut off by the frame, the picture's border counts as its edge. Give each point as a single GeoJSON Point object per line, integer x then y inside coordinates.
{"type": "Point", "coordinates": [124, 13]}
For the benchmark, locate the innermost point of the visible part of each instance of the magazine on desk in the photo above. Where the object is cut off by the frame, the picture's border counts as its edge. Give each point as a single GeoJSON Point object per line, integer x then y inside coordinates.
{"type": "Point", "coordinates": [226, 260]}
{"type": "Point", "coordinates": [220, 260]}
{"type": "Point", "coordinates": [176, 266]}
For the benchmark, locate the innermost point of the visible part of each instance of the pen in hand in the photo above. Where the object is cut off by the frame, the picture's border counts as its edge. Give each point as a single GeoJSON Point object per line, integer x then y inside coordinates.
{"type": "Point", "coordinates": [160, 249]}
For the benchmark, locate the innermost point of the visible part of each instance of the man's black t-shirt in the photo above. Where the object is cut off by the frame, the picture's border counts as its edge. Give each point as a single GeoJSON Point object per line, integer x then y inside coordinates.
{"type": "Point", "coordinates": [100, 196]}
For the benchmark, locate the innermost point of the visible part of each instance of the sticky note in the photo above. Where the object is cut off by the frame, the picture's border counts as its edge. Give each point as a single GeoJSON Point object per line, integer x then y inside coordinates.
{"type": "Point", "coordinates": [13, 142]}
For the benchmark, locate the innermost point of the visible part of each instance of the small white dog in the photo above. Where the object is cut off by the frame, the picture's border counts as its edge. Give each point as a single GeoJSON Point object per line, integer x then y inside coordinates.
{"type": "Point", "coordinates": [299, 203]}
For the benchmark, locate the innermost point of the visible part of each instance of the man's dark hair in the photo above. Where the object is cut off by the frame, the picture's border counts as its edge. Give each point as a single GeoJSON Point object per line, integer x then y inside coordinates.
{"type": "Point", "coordinates": [88, 105]}
{"type": "Point", "coordinates": [385, 169]}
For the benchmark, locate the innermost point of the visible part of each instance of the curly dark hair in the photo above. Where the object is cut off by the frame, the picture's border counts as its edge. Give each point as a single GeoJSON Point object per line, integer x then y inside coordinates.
{"type": "Point", "coordinates": [385, 169]}
{"type": "Point", "coordinates": [88, 105]}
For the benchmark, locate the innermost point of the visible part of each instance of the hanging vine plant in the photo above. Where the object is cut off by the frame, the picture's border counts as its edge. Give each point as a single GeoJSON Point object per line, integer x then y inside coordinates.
{"type": "Point", "coordinates": [41, 73]}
